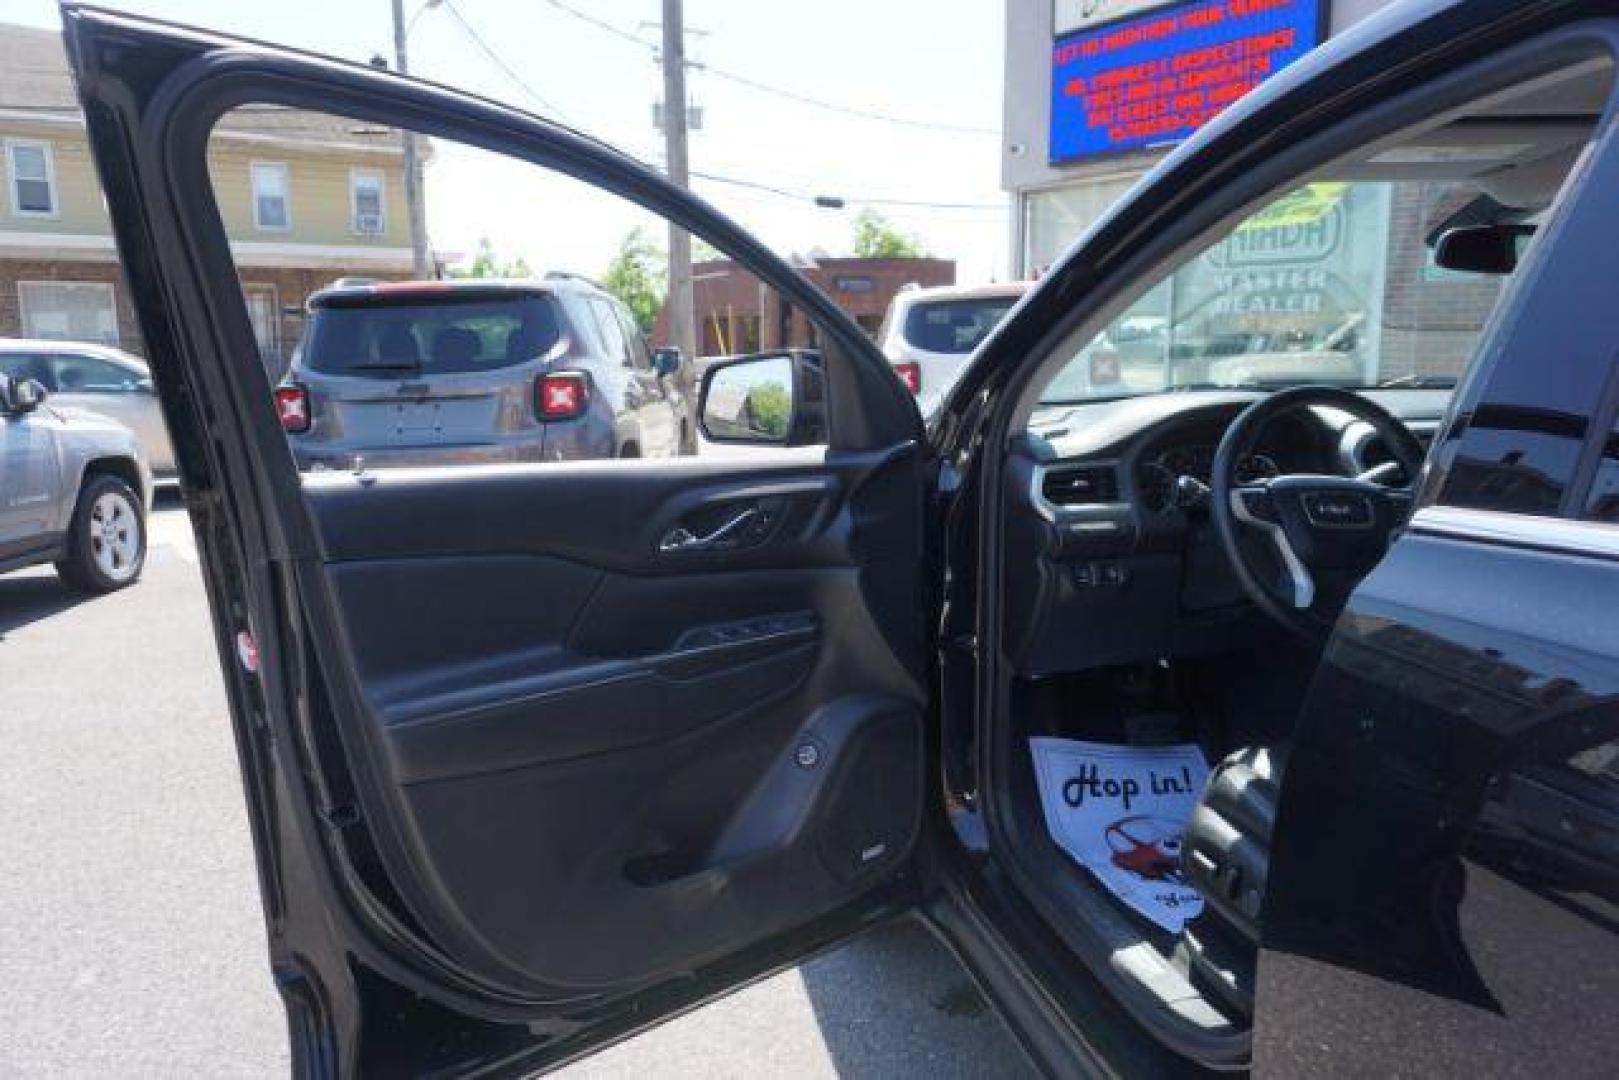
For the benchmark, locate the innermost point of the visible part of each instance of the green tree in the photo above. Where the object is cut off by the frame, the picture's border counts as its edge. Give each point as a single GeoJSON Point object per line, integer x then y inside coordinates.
{"type": "Point", "coordinates": [875, 237]}
{"type": "Point", "coordinates": [772, 409]}
{"type": "Point", "coordinates": [485, 264]}
{"type": "Point", "coordinates": [702, 251]}
{"type": "Point", "coordinates": [637, 277]}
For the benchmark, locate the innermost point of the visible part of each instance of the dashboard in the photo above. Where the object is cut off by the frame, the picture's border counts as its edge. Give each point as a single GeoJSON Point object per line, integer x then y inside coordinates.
{"type": "Point", "coordinates": [1112, 557]}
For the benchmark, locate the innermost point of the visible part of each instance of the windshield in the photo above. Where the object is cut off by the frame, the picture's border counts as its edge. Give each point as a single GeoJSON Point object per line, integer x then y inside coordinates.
{"type": "Point", "coordinates": [1333, 283]}
{"type": "Point", "coordinates": [442, 336]}
{"type": "Point", "coordinates": [954, 326]}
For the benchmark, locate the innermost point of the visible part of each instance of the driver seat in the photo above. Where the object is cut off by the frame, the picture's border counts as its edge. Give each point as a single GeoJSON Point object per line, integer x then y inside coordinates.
{"type": "Point", "coordinates": [1225, 855]}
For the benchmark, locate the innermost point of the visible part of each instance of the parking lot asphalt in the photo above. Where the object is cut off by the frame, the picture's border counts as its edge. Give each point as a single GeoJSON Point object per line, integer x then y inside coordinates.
{"type": "Point", "coordinates": [131, 940]}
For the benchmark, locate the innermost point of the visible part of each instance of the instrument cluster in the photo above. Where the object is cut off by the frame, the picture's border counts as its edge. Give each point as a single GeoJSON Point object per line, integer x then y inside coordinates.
{"type": "Point", "coordinates": [1178, 477]}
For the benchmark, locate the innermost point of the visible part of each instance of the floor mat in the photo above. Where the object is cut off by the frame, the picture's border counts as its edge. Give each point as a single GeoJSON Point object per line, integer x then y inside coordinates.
{"type": "Point", "coordinates": [1119, 811]}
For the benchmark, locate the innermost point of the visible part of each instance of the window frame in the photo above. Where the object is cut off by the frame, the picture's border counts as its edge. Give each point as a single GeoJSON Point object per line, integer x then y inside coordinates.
{"type": "Point", "coordinates": [356, 175]}
{"type": "Point", "coordinates": [22, 304]}
{"type": "Point", "coordinates": [48, 153]}
{"type": "Point", "coordinates": [253, 170]}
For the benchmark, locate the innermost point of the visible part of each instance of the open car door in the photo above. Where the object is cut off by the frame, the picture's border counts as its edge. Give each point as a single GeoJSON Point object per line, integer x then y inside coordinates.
{"type": "Point", "coordinates": [536, 754]}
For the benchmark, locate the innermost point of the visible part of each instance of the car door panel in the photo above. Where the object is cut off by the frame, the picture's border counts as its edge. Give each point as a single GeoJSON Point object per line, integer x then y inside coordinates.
{"type": "Point", "coordinates": [30, 482]}
{"type": "Point", "coordinates": [577, 728]}
{"type": "Point", "coordinates": [1455, 755]}
{"type": "Point", "coordinates": [1444, 866]}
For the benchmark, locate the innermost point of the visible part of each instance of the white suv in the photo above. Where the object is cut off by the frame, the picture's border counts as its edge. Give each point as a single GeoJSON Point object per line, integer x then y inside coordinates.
{"type": "Point", "coordinates": [930, 334]}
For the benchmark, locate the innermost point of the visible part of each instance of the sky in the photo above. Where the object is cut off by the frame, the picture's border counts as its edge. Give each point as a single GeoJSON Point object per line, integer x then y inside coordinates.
{"type": "Point", "coordinates": [935, 61]}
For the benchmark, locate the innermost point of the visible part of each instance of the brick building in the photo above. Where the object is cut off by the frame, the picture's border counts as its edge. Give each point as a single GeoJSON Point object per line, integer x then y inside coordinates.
{"type": "Point", "coordinates": [305, 198]}
{"type": "Point", "coordinates": [736, 315]}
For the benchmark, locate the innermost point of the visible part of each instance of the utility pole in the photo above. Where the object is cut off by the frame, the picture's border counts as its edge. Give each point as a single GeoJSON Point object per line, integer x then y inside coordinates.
{"type": "Point", "coordinates": [421, 260]}
{"type": "Point", "coordinates": [682, 328]}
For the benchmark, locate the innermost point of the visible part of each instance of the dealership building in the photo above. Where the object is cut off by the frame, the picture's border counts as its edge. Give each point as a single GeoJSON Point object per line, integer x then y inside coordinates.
{"type": "Point", "coordinates": [1098, 90]}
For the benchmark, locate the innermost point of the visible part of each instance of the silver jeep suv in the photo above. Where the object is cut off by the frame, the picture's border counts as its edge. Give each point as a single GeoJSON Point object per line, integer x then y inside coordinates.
{"type": "Point", "coordinates": [74, 490]}
{"type": "Point", "coordinates": [457, 372]}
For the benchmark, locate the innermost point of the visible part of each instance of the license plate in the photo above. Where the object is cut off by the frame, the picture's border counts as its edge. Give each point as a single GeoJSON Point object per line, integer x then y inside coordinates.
{"type": "Point", "coordinates": [417, 418]}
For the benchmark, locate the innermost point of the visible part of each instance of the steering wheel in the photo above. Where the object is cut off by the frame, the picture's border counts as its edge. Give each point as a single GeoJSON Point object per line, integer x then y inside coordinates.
{"type": "Point", "coordinates": [1326, 531]}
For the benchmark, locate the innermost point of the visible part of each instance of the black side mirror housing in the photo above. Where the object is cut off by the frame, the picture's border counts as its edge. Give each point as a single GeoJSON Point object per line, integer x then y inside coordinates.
{"type": "Point", "coordinates": [667, 360]}
{"type": "Point", "coordinates": [1482, 249]}
{"type": "Point", "coordinates": [25, 396]}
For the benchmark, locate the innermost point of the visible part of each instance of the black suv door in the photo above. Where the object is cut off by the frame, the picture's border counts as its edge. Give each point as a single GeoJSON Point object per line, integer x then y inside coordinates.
{"type": "Point", "coordinates": [1446, 862]}
{"type": "Point", "coordinates": [530, 764]}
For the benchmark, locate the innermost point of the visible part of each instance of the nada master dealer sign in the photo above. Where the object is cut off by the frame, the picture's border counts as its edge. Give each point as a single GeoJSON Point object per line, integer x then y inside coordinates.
{"type": "Point", "coordinates": [1158, 77]}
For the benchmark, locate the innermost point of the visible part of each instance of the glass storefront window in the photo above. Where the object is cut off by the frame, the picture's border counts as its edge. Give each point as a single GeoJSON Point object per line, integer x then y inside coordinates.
{"type": "Point", "coordinates": [1054, 219]}
{"type": "Point", "coordinates": [1332, 283]}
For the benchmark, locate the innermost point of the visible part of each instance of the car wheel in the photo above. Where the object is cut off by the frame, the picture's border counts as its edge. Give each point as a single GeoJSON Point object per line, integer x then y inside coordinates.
{"type": "Point", "coordinates": [106, 543]}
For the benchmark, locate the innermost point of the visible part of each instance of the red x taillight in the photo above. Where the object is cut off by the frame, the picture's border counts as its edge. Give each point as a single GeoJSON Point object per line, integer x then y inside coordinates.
{"type": "Point", "coordinates": [292, 406]}
{"type": "Point", "coordinates": [910, 373]}
{"type": "Point", "coordinates": [561, 396]}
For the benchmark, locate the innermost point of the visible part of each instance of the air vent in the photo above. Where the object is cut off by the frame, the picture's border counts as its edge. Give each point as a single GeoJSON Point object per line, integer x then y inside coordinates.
{"type": "Point", "coordinates": [1080, 485]}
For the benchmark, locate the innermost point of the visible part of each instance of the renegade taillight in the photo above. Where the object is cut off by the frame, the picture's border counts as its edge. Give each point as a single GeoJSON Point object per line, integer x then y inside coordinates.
{"type": "Point", "coordinates": [292, 406]}
{"type": "Point", "coordinates": [561, 395]}
{"type": "Point", "coordinates": [910, 373]}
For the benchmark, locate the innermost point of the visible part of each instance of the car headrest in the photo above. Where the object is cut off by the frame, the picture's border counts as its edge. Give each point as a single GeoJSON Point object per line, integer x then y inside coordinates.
{"type": "Point", "coordinates": [398, 343]}
{"type": "Point", "coordinates": [455, 345]}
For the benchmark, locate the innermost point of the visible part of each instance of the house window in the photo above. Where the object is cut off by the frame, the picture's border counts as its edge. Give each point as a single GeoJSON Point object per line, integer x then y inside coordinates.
{"type": "Point", "coordinates": [365, 201]}
{"type": "Point", "coordinates": [68, 311]}
{"type": "Point", "coordinates": [265, 314]}
{"type": "Point", "coordinates": [33, 178]}
{"type": "Point", "coordinates": [270, 209]}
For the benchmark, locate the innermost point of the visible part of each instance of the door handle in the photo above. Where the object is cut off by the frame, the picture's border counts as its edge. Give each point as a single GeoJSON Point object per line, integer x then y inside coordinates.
{"type": "Point", "coordinates": [682, 540]}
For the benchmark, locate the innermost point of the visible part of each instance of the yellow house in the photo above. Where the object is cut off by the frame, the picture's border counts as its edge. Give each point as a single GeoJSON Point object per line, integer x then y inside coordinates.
{"type": "Point", "coordinates": [305, 198]}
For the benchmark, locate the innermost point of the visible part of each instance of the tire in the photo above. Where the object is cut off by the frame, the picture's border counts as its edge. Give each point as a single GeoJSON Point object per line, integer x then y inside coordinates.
{"type": "Point", "coordinates": [106, 540]}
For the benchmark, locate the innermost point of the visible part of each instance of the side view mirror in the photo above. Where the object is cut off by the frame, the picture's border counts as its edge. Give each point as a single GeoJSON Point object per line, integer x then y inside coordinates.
{"type": "Point", "coordinates": [25, 396]}
{"type": "Point", "coordinates": [1482, 249]}
{"type": "Point", "coordinates": [667, 360]}
{"type": "Point", "coordinates": [748, 400]}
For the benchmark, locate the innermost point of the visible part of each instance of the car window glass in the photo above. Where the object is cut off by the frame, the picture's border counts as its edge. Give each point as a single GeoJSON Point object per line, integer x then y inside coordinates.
{"type": "Point", "coordinates": [379, 334]}
{"type": "Point", "coordinates": [953, 326]}
{"type": "Point", "coordinates": [89, 375]}
{"type": "Point", "coordinates": [510, 342]}
{"type": "Point", "coordinates": [640, 355]}
{"type": "Point", "coordinates": [1332, 282]}
{"type": "Point", "coordinates": [28, 366]}
{"type": "Point", "coordinates": [1602, 502]}
{"type": "Point", "coordinates": [611, 333]}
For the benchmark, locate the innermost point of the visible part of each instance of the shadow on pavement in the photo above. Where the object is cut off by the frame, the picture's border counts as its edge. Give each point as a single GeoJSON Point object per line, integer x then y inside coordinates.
{"type": "Point", "coordinates": [895, 1003]}
{"type": "Point", "coordinates": [28, 599]}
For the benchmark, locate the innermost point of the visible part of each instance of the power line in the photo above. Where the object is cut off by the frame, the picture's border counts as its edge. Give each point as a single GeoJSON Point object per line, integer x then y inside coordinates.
{"type": "Point", "coordinates": [844, 110]}
{"type": "Point", "coordinates": [718, 178]}
{"type": "Point", "coordinates": [800, 196]}
{"type": "Point", "coordinates": [494, 58]}
{"type": "Point", "coordinates": [777, 91]}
